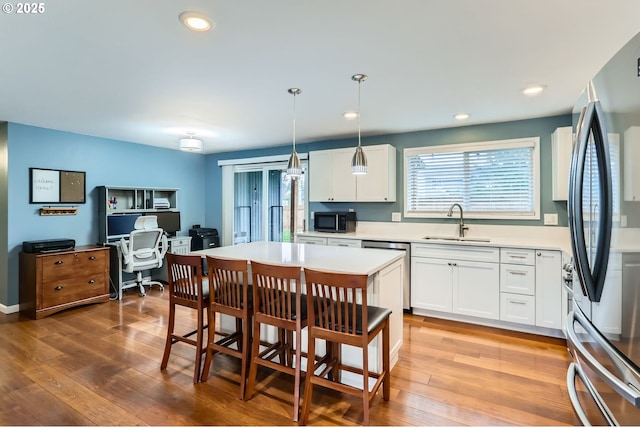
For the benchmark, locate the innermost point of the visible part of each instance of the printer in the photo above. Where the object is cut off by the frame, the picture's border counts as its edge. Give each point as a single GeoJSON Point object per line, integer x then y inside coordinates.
{"type": "Point", "coordinates": [203, 238]}
{"type": "Point", "coordinates": [51, 245]}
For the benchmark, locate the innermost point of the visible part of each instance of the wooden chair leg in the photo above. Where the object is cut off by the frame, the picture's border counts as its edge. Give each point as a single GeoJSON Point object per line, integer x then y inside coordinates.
{"type": "Point", "coordinates": [246, 358]}
{"type": "Point", "coordinates": [199, 341]}
{"type": "Point", "coordinates": [386, 363]}
{"type": "Point", "coordinates": [169, 343]}
{"type": "Point", "coordinates": [297, 376]}
{"type": "Point", "coordinates": [255, 353]}
{"type": "Point", "coordinates": [210, 340]}
{"type": "Point", "coordinates": [365, 389]}
{"type": "Point", "coordinates": [308, 384]}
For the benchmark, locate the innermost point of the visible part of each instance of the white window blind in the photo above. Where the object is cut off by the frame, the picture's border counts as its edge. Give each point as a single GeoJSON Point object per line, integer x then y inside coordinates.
{"type": "Point", "coordinates": [591, 180]}
{"type": "Point", "coordinates": [489, 179]}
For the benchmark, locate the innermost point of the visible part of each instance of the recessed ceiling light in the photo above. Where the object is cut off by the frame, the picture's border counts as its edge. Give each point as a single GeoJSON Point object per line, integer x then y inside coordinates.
{"type": "Point", "coordinates": [195, 21]}
{"type": "Point", "coordinates": [350, 115]}
{"type": "Point", "coordinates": [533, 90]}
{"type": "Point", "coordinates": [461, 116]}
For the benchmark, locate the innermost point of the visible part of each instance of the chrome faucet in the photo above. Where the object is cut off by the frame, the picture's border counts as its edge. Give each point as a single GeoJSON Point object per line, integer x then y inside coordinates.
{"type": "Point", "coordinates": [462, 227]}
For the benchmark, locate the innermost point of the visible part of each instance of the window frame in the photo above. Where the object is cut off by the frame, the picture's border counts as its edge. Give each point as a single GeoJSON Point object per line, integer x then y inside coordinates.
{"type": "Point", "coordinates": [474, 147]}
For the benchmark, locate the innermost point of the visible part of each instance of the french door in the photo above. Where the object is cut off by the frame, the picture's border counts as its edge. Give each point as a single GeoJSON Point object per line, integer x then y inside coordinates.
{"type": "Point", "coordinates": [263, 206]}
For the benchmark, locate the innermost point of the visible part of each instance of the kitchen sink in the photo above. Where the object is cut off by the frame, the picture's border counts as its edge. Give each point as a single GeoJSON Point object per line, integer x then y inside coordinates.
{"type": "Point", "coordinates": [457, 239]}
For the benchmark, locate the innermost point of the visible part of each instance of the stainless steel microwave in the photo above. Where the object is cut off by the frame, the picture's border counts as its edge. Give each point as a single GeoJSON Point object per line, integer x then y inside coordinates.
{"type": "Point", "coordinates": [335, 222]}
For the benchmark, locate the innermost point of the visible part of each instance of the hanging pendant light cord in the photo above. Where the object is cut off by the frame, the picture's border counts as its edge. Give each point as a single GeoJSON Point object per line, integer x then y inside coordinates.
{"type": "Point", "coordinates": [359, 83]}
{"type": "Point", "coordinates": [294, 121]}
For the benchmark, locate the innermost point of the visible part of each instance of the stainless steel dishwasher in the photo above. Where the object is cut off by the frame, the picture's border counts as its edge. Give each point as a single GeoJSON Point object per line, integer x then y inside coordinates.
{"type": "Point", "coordinates": [406, 248]}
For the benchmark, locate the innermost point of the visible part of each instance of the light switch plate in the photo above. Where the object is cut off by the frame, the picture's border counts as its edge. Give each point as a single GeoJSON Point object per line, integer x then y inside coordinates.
{"type": "Point", "coordinates": [550, 219]}
{"type": "Point", "coordinates": [623, 220]}
{"type": "Point", "coordinates": [396, 217]}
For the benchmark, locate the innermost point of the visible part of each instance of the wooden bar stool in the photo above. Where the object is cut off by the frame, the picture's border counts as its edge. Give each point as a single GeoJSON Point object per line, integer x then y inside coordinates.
{"type": "Point", "coordinates": [230, 294]}
{"type": "Point", "coordinates": [188, 289]}
{"type": "Point", "coordinates": [278, 301]}
{"type": "Point", "coordinates": [335, 316]}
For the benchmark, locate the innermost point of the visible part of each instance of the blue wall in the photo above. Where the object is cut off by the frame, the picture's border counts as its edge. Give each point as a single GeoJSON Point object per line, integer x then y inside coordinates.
{"type": "Point", "coordinates": [542, 127]}
{"type": "Point", "coordinates": [106, 162]}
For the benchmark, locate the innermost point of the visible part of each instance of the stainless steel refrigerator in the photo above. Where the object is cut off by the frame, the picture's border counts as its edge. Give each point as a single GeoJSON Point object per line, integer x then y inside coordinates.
{"type": "Point", "coordinates": [603, 327]}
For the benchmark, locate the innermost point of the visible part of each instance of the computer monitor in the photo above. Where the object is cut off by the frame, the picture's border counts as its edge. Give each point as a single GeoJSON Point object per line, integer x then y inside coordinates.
{"type": "Point", "coordinates": [169, 221]}
{"type": "Point", "coordinates": [120, 225]}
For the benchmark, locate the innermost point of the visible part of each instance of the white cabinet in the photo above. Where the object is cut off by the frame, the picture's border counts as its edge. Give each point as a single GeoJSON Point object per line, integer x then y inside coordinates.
{"type": "Point", "coordinates": [379, 184]}
{"type": "Point", "coordinates": [517, 285]}
{"type": "Point", "coordinates": [517, 308]}
{"type": "Point", "coordinates": [561, 150]}
{"type": "Point", "coordinates": [631, 160]}
{"type": "Point", "coordinates": [179, 245]}
{"type": "Point", "coordinates": [456, 279]}
{"type": "Point", "coordinates": [549, 289]}
{"type": "Point", "coordinates": [337, 241]}
{"type": "Point", "coordinates": [330, 177]}
{"type": "Point", "coordinates": [312, 240]}
{"type": "Point", "coordinates": [331, 180]}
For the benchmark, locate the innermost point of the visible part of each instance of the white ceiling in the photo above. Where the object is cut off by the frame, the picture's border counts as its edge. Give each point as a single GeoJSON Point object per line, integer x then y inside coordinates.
{"type": "Point", "coordinates": [129, 70]}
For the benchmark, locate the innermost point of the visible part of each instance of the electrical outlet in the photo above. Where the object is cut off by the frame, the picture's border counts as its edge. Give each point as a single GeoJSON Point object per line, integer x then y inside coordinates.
{"type": "Point", "coordinates": [396, 217]}
{"type": "Point", "coordinates": [550, 219]}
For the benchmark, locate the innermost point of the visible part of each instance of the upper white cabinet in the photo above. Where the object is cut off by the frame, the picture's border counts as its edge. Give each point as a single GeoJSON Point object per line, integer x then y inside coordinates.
{"type": "Point", "coordinates": [331, 180]}
{"type": "Point", "coordinates": [562, 147]}
{"type": "Point", "coordinates": [379, 184]}
{"type": "Point", "coordinates": [631, 159]}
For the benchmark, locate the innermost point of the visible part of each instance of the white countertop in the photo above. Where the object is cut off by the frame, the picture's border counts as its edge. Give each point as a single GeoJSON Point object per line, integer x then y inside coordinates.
{"type": "Point", "coordinates": [328, 258]}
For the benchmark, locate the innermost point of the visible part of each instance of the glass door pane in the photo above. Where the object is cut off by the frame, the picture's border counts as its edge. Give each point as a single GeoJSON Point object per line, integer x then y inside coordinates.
{"type": "Point", "coordinates": [282, 208]}
{"type": "Point", "coordinates": [247, 215]}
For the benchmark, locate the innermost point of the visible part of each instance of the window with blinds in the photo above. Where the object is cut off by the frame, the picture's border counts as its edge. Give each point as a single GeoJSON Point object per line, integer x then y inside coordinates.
{"type": "Point", "coordinates": [591, 179]}
{"type": "Point", "coordinates": [496, 179]}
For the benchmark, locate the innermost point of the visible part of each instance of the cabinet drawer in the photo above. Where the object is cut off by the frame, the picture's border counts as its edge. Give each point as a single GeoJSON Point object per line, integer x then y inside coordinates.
{"type": "Point", "coordinates": [459, 252]}
{"type": "Point", "coordinates": [518, 256]}
{"type": "Point", "coordinates": [351, 243]}
{"type": "Point", "coordinates": [312, 240]}
{"type": "Point", "coordinates": [517, 308]}
{"type": "Point", "coordinates": [66, 290]}
{"type": "Point", "coordinates": [56, 267]}
{"type": "Point", "coordinates": [518, 279]}
{"type": "Point", "coordinates": [185, 241]}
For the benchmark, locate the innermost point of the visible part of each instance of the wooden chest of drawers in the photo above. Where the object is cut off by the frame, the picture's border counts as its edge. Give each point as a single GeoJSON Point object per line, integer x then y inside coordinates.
{"type": "Point", "coordinates": [50, 282]}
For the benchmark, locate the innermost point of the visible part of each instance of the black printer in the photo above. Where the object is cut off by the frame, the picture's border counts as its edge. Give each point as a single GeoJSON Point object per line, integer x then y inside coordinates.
{"type": "Point", "coordinates": [203, 238]}
{"type": "Point", "coordinates": [51, 245]}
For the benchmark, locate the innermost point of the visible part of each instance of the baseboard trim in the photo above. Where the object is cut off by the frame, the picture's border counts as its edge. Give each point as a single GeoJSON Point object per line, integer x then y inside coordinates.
{"type": "Point", "coordinates": [9, 309]}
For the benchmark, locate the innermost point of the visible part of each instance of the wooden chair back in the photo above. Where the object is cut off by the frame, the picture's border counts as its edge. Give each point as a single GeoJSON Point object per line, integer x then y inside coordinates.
{"type": "Point", "coordinates": [186, 282]}
{"type": "Point", "coordinates": [229, 285]}
{"type": "Point", "coordinates": [277, 294]}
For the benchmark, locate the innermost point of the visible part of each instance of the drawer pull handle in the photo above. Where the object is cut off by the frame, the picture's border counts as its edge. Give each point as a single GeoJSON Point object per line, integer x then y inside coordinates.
{"type": "Point", "coordinates": [518, 302]}
{"type": "Point", "coordinates": [91, 282]}
{"type": "Point", "coordinates": [58, 262]}
{"type": "Point", "coordinates": [92, 257]}
{"type": "Point", "coordinates": [518, 256]}
{"type": "Point", "coordinates": [518, 273]}
{"type": "Point", "coordinates": [58, 288]}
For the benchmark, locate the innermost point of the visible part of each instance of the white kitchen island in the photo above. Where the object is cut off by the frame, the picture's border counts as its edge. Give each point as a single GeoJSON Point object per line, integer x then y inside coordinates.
{"type": "Point", "coordinates": [383, 267]}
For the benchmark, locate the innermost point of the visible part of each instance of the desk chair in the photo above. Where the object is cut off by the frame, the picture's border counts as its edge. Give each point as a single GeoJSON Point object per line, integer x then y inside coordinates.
{"type": "Point", "coordinates": [336, 317]}
{"type": "Point", "coordinates": [187, 288]}
{"type": "Point", "coordinates": [143, 250]}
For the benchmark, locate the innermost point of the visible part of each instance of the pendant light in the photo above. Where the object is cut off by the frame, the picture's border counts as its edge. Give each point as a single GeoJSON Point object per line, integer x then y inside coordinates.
{"type": "Point", "coordinates": [359, 161]}
{"type": "Point", "coordinates": [294, 169]}
{"type": "Point", "coordinates": [191, 143]}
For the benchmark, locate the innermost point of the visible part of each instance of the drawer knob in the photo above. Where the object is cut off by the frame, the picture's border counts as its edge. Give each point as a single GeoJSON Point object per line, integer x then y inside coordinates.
{"type": "Point", "coordinates": [92, 257]}
{"type": "Point", "coordinates": [58, 262]}
{"type": "Point", "coordinates": [91, 282]}
{"type": "Point", "coordinates": [539, 254]}
{"type": "Point", "coordinates": [58, 288]}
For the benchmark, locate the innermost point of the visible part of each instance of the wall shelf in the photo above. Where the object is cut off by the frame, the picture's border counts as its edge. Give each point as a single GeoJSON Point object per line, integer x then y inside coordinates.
{"type": "Point", "coordinates": [58, 211]}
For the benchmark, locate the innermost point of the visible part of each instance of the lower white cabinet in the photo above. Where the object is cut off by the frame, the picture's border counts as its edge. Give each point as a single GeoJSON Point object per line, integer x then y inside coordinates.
{"type": "Point", "coordinates": [454, 284]}
{"type": "Point", "coordinates": [517, 308]}
{"type": "Point", "coordinates": [549, 289]}
{"type": "Point", "coordinates": [350, 243]}
{"type": "Point", "coordinates": [312, 240]}
{"type": "Point", "coordinates": [179, 245]}
{"type": "Point", "coordinates": [607, 314]}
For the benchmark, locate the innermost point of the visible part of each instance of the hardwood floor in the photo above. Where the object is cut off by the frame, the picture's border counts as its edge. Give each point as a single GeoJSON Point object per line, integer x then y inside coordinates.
{"type": "Point", "coordinates": [100, 365]}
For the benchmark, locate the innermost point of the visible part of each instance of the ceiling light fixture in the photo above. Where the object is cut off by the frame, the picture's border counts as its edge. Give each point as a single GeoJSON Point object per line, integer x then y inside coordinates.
{"type": "Point", "coordinates": [350, 115]}
{"type": "Point", "coordinates": [294, 169]}
{"type": "Point", "coordinates": [533, 90]}
{"type": "Point", "coordinates": [195, 21]}
{"type": "Point", "coordinates": [359, 161]}
{"type": "Point", "coordinates": [191, 143]}
{"type": "Point", "coordinates": [461, 116]}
